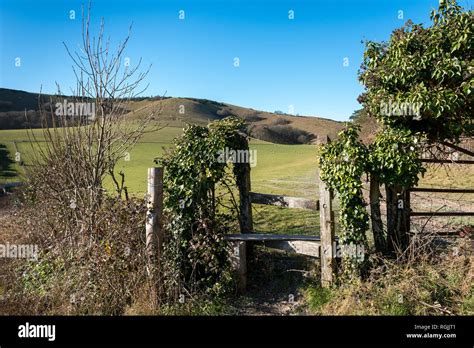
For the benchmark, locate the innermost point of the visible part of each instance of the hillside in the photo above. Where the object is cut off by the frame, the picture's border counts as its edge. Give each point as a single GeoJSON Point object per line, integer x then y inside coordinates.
{"type": "Point", "coordinates": [176, 112]}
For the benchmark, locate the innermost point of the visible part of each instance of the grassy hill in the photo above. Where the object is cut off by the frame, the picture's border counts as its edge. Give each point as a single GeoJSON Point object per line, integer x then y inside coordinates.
{"type": "Point", "coordinates": [176, 112]}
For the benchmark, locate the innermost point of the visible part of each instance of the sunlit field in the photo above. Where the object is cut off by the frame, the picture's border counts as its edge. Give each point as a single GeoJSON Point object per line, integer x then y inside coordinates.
{"type": "Point", "coordinates": [290, 170]}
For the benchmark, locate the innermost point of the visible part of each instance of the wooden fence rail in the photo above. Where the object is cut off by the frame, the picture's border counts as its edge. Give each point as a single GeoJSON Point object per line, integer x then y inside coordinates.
{"type": "Point", "coordinates": [446, 161]}
{"type": "Point", "coordinates": [444, 190]}
{"type": "Point", "coordinates": [442, 213]}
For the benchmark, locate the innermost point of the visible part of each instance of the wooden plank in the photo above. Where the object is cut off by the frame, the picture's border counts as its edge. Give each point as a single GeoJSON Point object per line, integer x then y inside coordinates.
{"type": "Point", "coordinates": [442, 213]}
{"type": "Point", "coordinates": [398, 216]}
{"type": "Point", "coordinates": [259, 237]}
{"type": "Point", "coordinates": [284, 201]}
{"type": "Point", "coordinates": [375, 214]}
{"type": "Point", "coordinates": [244, 186]}
{"type": "Point", "coordinates": [432, 160]}
{"type": "Point", "coordinates": [444, 190]}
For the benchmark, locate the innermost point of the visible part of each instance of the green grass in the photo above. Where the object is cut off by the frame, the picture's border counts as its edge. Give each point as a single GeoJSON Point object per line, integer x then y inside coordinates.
{"type": "Point", "coordinates": [281, 169]}
{"type": "Point", "coordinates": [317, 297]}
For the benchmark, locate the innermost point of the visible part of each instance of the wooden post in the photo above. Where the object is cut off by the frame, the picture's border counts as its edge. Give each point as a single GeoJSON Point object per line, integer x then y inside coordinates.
{"type": "Point", "coordinates": [239, 263]}
{"type": "Point", "coordinates": [327, 235]}
{"type": "Point", "coordinates": [391, 202]}
{"type": "Point", "coordinates": [398, 218]}
{"type": "Point", "coordinates": [405, 217]}
{"type": "Point", "coordinates": [154, 228]}
{"type": "Point", "coordinates": [242, 250]}
{"type": "Point", "coordinates": [326, 218]}
{"type": "Point", "coordinates": [375, 215]}
{"type": "Point", "coordinates": [246, 220]}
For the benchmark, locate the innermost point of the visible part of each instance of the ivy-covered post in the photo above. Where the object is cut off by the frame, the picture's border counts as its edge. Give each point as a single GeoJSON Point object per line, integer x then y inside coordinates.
{"type": "Point", "coordinates": [326, 217]}
{"type": "Point", "coordinates": [342, 164]}
{"type": "Point", "coordinates": [394, 160]}
{"type": "Point", "coordinates": [197, 217]}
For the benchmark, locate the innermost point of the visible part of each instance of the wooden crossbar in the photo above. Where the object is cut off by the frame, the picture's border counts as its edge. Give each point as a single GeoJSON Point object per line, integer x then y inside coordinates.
{"type": "Point", "coordinates": [432, 160]}
{"type": "Point", "coordinates": [247, 237]}
{"type": "Point", "coordinates": [444, 190]}
{"type": "Point", "coordinates": [442, 213]}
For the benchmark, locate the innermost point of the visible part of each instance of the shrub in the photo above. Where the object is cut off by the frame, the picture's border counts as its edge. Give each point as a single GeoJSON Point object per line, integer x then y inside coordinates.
{"type": "Point", "coordinates": [285, 134]}
{"type": "Point", "coordinates": [253, 118]}
{"type": "Point", "coordinates": [279, 121]}
{"type": "Point", "coordinates": [76, 272]}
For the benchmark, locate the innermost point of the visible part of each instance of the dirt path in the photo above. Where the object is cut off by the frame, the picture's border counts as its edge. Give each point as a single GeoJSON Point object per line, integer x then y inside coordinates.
{"type": "Point", "coordinates": [276, 282]}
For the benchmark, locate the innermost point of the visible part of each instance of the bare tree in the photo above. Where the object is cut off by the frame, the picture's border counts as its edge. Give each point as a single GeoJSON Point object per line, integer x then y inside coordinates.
{"type": "Point", "coordinates": [89, 132]}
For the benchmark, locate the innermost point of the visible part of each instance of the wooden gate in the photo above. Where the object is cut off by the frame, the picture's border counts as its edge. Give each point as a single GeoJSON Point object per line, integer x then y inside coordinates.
{"type": "Point", "coordinates": [315, 246]}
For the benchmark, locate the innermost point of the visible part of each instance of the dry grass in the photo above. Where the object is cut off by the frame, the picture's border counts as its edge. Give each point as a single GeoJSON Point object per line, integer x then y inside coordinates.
{"type": "Point", "coordinates": [429, 281]}
{"type": "Point", "coordinates": [100, 273]}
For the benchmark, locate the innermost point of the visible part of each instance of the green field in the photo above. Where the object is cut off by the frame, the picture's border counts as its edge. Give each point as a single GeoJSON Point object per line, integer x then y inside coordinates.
{"type": "Point", "coordinates": [281, 169]}
{"type": "Point", "coordinates": [284, 169]}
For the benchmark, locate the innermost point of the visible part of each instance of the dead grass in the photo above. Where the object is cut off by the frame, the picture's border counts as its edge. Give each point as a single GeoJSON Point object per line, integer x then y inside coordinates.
{"type": "Point", "coordinates": [430, 282]}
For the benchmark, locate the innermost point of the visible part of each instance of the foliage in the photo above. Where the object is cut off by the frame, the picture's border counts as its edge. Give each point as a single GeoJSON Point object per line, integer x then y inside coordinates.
{"type": "Point", "coordinates": [391, 159]}
{"type": "Point", "coordinates": [358, 114]}
{"type": "Point", "coordinates": [198, 187]}
{"type": "Point", "coordinates": [342, 164]}
{"type": "Point", "coordinates": [429, 67]}
{"type": "Point", "coordinates": [282, 133]}
{"type": "Point", "coordinates": [394, 157]}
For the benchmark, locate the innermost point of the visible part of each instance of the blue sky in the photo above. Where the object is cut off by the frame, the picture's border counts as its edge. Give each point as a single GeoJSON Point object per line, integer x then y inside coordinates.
{"type": "Point", "coordinates": [284, 63]}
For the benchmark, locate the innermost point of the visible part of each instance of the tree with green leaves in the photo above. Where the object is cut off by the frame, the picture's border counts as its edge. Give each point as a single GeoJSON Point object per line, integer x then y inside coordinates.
{"type": "Point", "coordinates": [419, 88]}
{"type": "Point", "coordinates": [422, 78]}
